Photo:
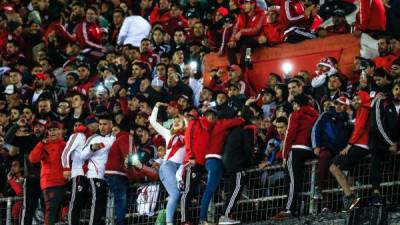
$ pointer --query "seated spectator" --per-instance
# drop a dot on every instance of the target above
(386, 57)
(395, 70)
(88, 31)
(176, 21)
(355, 150)
(220, 31)
(273, 29)
(329, 135)
(301, 20)
(339, 25)
(161, 12)
(267, 96)
(245, 32)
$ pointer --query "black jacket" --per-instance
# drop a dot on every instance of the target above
(238, 148)
(385, 123)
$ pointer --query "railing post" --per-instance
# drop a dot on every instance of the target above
(8, 215)
(313, 203)
(110, 215)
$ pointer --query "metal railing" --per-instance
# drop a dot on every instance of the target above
(263, 197)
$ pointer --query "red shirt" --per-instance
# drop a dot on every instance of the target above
(89, 35)
(49, 156)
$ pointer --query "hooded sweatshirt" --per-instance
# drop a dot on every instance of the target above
(359, 137)
(298, 133)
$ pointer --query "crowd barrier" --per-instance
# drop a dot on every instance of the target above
(263, 196)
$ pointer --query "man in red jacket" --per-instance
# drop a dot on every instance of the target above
(296, 148)
(356, 149)
(272, 33)
(371, 16)
(245, 32)
(161, 13)
(117, 174)
(88, 32)
(52, 182)
(213, 162)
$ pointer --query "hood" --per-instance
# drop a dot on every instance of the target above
(365, 99)
(309, 111)
(122, 133)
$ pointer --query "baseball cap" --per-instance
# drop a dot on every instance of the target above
(54, 124)
(73, 74)
(343, 100)
(339, 13)
(10, 89)
(41, 76)
(4, 69)
(223, 11)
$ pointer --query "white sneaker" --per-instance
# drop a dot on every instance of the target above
(224, 220)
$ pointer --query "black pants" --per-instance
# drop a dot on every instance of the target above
(53, 198)
(378, 153)
(233, 188)
(295, 166)
(241, 45)
(192, 183)
(98, 209)
(32, 194)
(79, 196)
(298, 35)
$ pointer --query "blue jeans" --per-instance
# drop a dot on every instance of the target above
(118, 185)
(214, 176)
(167, 176)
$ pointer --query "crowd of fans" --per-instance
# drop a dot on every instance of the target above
(96, 95)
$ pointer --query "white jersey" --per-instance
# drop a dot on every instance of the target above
(97, 159)
(72, 152)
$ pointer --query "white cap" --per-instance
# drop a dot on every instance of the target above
(10, 89)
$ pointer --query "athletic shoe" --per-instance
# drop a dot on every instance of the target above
(283, 215)
(224, 220)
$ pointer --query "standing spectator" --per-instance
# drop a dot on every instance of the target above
(174, 159)
(247, 28)
(197, 136)
(213, 162)
(88, 32)
(52, 182)
(118, 19)
(355, 150)
(329, 135)
(96, 151)
(73, 169)
(133, 30)
(161, 12)
(384, 134)
(297, 148)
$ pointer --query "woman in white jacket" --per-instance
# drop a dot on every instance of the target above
(174, 156)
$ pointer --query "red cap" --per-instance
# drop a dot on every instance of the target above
(223, 11)
(54, 124)
(41, 76)
(175, 105)
(343, 100)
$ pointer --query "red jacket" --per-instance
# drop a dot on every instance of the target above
(298, 133)
(89, 35)
(292, 13)
(49, 156)
(197, 136)
(249, 26)
(116, 160)
(218, 134)
(361, 126)
(157, 16)
(17, 186)
(371, 16)
(385, 61)
(63, 37)
(174, 23)
(273, 32)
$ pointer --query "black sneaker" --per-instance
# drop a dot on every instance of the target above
(376, 200)
(349, 202)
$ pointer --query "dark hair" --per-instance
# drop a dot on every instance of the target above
(284, 88)
(269, 91)
(301, 100)
(381, 72)
(96, 10)
(295, 80)
(281, 119)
